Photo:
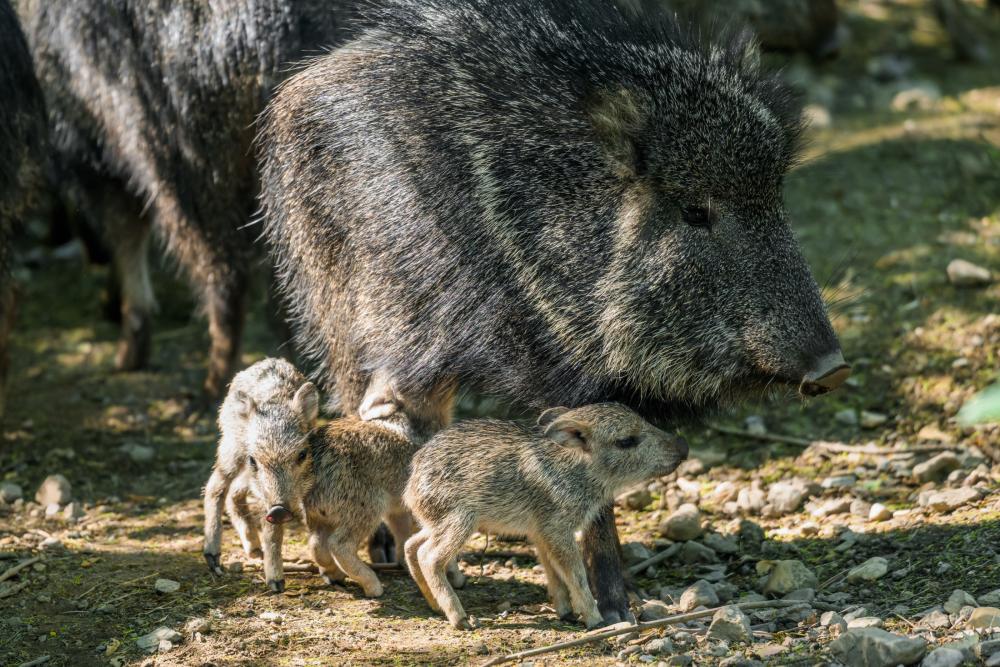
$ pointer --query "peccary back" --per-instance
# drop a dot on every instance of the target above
(550, 200)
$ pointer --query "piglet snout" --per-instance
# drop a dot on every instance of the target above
(278, 514)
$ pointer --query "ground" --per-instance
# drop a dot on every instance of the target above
(884, 200)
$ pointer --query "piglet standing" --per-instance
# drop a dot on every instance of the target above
(545, 483)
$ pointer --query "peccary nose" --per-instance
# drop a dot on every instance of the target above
(278, 514)
(829, 372)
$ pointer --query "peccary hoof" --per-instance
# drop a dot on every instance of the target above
(381, 546)
(213, 563)
(276, 585)
(570, 617)
(136, 342)
(332, 581)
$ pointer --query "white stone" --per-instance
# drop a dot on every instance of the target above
(870, 570)
(879, 512)
(730, 624)
(152, 641)
(871, 419)
(787, 496)
(684, 524)
(874, 647)
(167, 585)
(138, 453)
(55, 489)
(966, 274)
(699, 594)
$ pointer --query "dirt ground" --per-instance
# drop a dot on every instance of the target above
(889, 194)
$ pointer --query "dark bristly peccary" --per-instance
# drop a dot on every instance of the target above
(152, 106)
(22, 136)
(550, 200)
(544, 483)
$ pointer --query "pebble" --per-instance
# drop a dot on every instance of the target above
(935, 620)
(235, 567)
(870, 570)
(962, 273)
(740, 661)
(943, 657)
(801, 595)
(879, 512)
(682, 525)
(695, 552)
(658, 646)
(936, 468)
(52, 510)
(272, 617)
(167, 586)
(787, 496)
(635, 552)
(699, 594)
(724, 492)
(723, 544)
(849, 417)
(874, 647)
(949, 500)
(51, 543)
(785, 576)
(679, 661)
(817, 116)
(864, 622)
(138, 453)
(839, 482)
(990, 599)
(751, 534)
(832, 506)
(55, 489)
(993, 660)
(751, 499)
(871, 419)
(73, 511)
(152, 641)
(654, 610)
(831, 619)
(198, 625)
(922, 96)
(957, 600)
(10, 492)
(861, 508)
(984, 617)
(730, 624)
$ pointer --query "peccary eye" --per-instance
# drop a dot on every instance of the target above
(302, 455)
(627, 443)
(252, 461)
(698, 216)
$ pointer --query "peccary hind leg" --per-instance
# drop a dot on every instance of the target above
(602, 555)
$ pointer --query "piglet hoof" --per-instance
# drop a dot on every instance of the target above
(456, 578)
(464, 623)
(374, 591)
(331, 581)
(213, 563)
(276, 585)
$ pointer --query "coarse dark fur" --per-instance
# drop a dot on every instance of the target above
(551, 201)
(151, 106)
(22, 137)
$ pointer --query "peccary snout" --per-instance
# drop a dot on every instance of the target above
(829, 372)
(278, 514)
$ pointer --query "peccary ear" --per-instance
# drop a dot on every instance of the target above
(569, 432)
(245, 404)
(306, 402)
(549, 415)
(618, 116)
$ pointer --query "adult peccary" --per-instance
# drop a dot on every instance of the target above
(547, 200)
(264, 422)
(22, 136)
(152, 105)
(545, 483)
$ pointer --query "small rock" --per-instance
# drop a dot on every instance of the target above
(966, 274)
(730, 624)
(272, 617)
(785, 576)
(984, 617)
(653, 610)
(682, 525)
(787, 496)
(724, 492)
(694, 552)
(10, 492)
(52, 510)
(949, 500)
(151, 641)
(679, 661)
(922, 97)
(755, 424)
(991, 599)
(699, 594)
(751, 535)
(864, 622)
(937, 468)
(73, 511)
(723, 544)
(740, 661)
(839, 482)
(874, 647)
(832, 618)
(993, 660)
(871, 419)
(138, 453)
(658, 646)
(832, 506)
(166, 585)
(817, 116)
(801, 595)
(55, 489)
(635, 552)
(935, 620)
(198, 625)
(860, 508)
(849, 417)
(235, 567)
(870, 570)
(943, 657)
(751, 499)
(957, 600)
(51, 543)
(879, 512)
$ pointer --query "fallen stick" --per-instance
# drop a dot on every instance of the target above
(638, 627)
(828, 446)
(311, 568)
(11, 571)
(37, 661)
(17, 588)
(653, 560)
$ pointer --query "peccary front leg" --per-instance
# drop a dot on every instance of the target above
(215, 499)
(243, 519)
(271, 538)
(400, 525)
(130, 247)
(558, 591)
(567, 563)
(602, 552)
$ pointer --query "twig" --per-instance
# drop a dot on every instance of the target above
(41, 660)
(11, 571)
(653, 560)
(17, 588)
(838, 447)
(311, 568)
(638, 627)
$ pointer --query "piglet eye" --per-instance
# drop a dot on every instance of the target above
(302, 455)
(252, 461)
(698, 216)
(627, 443)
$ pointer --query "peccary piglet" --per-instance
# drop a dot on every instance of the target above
(545, 483)
(265, 422)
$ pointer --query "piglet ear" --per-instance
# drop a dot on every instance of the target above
(306, 402)
(569, 432)
(549, 415)
(245, 405)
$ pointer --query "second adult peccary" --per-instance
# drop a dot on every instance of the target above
(545, 483)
